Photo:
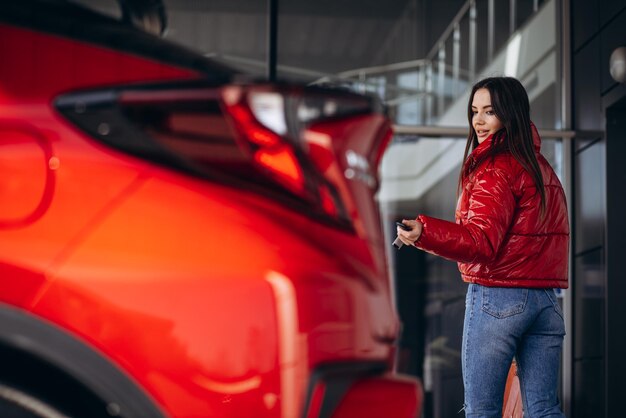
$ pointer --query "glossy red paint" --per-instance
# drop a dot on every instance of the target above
(369, 398)
(50, 65)
(27, 161)
(354, 171)
(216, 300)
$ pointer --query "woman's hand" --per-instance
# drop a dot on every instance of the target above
(409, 237)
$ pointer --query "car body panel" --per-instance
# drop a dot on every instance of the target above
(57, 64)
(215, 299)
(200, 280)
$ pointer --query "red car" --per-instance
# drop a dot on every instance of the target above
(176, 241)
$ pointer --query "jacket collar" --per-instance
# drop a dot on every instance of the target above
(486, 144)
(482, 148)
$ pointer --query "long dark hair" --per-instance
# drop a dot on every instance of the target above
(509, 102)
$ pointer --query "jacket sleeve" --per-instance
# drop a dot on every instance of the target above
(490, 211)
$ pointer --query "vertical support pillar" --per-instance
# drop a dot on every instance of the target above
(472, 41)
(564, 88)
(272, 38)
(615, 308)
(441, 82)
(362, 81)
(491, 28)
(429, 92)
(423, 100)
(512, 16)
(456, 59)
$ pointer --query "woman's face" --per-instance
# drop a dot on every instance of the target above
(484, 120)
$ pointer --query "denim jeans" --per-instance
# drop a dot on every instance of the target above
(501, 323)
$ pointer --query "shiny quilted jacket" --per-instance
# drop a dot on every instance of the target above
(500, 238)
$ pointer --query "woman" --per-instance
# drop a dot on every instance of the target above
(510, 240)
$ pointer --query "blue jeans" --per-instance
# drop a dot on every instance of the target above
(501, 323)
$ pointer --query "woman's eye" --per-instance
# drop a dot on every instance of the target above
(490, 112)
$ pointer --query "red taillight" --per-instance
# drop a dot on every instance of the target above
(283, 164)
(277, 126)
(261, 137)
(328, 201)
(260, 116)
(269, 150)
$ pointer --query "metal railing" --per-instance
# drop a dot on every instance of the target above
(433, 83)
(462, 132)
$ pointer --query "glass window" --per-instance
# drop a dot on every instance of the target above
(589, 194)
(230, 31)
(590, 288)
(431, 294)
(421, 62)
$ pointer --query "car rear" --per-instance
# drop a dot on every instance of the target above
(214, 238)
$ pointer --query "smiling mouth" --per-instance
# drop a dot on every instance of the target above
(481, 132)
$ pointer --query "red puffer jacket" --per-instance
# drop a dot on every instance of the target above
(500, 238)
